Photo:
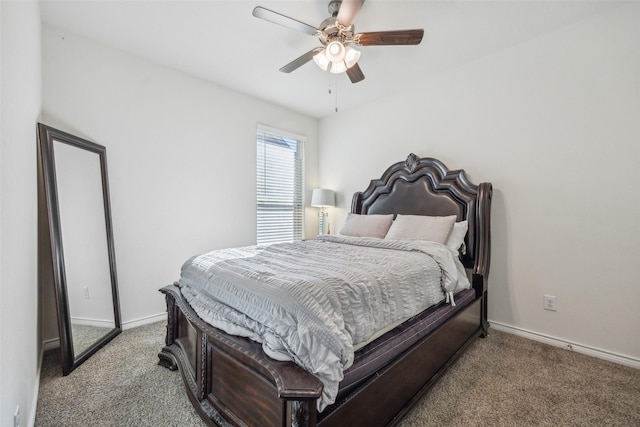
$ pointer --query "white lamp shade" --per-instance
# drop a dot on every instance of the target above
(351, 57)
(322, 61)
(338, 67)
(339, 61)
(335, 51)
(323, 198)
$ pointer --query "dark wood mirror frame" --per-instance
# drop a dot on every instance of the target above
(46, 138)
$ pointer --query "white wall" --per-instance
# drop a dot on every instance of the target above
(180, 152)
(554, 124)
(20, 94)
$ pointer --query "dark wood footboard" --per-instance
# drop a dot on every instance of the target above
(231, 382)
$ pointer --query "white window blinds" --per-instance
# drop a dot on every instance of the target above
(280, 186)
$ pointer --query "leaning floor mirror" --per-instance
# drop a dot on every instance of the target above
(76, 191)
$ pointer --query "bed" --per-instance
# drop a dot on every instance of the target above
(231, 381)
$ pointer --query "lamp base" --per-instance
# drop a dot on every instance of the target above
(321, 221)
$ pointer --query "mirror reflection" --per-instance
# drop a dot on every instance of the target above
(83, 258)
(84, 236)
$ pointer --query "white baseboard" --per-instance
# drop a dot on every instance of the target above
(579, 348)
(36, 388)
(144, 321)
(34, 404)
(98, 323)
(49, 344)
(162, 317)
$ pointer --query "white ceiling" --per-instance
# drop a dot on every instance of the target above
(221, 42)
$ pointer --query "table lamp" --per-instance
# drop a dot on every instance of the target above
(322, 198)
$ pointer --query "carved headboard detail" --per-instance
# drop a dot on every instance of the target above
(425, 186)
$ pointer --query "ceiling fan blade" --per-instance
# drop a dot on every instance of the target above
(299, 62)
(348, 11)
(387, 38)
(285, 21)
(355, 74)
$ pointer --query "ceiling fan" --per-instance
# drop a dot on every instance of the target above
(336, 34)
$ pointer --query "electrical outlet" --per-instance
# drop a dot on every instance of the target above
(550, 303)
(16, 417)
(86, 292)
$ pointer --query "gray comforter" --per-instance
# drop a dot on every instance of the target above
(312, 301)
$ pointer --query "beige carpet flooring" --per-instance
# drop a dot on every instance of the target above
(503, 380)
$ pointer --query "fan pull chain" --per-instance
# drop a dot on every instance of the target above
(336, 83)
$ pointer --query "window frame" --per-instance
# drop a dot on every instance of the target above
(268, 137)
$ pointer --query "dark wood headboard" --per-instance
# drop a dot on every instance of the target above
(425, 186)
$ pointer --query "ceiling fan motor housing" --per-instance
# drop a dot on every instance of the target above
(330, 31)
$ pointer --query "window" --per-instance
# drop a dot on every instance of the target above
(280, 186)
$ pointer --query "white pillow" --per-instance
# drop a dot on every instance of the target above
(455, 240)
(367, 225)
(421, 227)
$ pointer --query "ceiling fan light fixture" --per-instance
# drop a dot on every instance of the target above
(322, 61)
(335, 51)
(351, 57)
(338, 67)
